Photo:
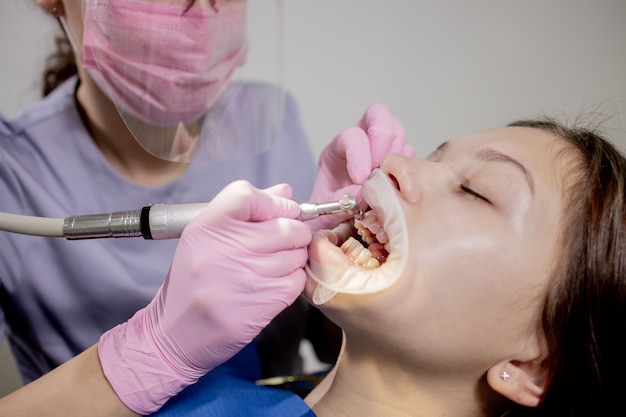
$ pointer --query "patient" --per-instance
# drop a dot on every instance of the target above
(499, 286)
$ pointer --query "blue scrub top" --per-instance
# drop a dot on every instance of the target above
(230, 391)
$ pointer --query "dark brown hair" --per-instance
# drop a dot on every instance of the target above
(60, 65)
(584, 316)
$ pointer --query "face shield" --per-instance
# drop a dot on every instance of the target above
(179, 73)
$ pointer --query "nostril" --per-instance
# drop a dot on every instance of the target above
(395, 182)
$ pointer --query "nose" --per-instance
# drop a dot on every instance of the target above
(407, 174)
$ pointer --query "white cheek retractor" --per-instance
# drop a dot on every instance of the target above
(380, 194)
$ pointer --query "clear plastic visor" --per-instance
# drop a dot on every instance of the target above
(180, 73)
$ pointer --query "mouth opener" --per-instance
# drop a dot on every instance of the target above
(346, 203)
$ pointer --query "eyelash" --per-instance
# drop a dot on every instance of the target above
(464, 188)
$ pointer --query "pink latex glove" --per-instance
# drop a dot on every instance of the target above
(346, 163)
(236, 267)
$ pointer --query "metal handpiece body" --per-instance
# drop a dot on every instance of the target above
(167, 221)
(346, 203)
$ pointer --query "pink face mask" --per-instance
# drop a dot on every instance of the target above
(158, 64)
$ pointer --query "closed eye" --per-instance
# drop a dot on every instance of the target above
(473, 193)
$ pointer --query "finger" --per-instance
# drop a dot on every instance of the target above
(275, 265)
(278, 293)
(280, 190)
(279, 204)
(356, 150)
(288, 287)
(399, 140)
(232, 201)
(242, 201)
(268, 236)
(408, 150)
(375, 114)
(380, 126)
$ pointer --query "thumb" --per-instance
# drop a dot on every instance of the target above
(273, 202)
(356, 148)
(280, 190)
(241, 201)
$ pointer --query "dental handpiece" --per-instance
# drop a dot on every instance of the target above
(167, 221)
(154, 222)
(346, 203)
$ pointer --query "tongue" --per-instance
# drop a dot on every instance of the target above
(378, 252)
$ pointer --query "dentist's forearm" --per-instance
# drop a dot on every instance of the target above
(76, 388)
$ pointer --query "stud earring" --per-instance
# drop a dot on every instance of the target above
(53, 10)
(504, 375)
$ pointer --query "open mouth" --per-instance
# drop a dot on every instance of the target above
(369, 246)
(375, 247)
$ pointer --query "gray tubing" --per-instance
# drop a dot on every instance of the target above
(31, 225)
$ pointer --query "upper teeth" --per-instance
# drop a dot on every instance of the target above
(370, 229)
(372, 234)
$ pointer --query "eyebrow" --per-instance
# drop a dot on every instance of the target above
(491, 155)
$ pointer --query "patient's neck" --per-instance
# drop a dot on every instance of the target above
(369, 384)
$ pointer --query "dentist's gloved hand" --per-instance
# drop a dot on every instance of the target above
(346, 163)
(236, 267)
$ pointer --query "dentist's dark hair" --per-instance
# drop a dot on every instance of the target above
(584, 312)
(60, 65)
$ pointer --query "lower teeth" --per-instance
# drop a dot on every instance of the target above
(360, 255)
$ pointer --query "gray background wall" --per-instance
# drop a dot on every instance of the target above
(444, 67)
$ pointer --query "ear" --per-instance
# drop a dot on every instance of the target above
(521, 382)
(53, 7)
